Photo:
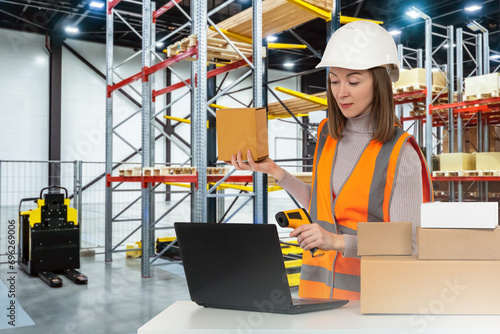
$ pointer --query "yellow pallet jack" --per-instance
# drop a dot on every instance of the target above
(49, 239)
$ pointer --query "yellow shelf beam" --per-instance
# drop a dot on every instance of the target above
(324, 14)
(349, 19)
(285, 46)
(182, 120)
(310, 98)
(285, 116)
(248, 40)
(216, 106)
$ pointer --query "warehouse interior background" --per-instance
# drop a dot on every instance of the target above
(53, 109)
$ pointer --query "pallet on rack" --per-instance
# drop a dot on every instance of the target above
(417, 87)
(445, 173)
(217, 48)
(130, 171)
(481, 96)
(467, 173)
(151, 171)
(296, 106)
(181, 45)
(277, 16)
(489, 172)
(165, 171)
(217, 170)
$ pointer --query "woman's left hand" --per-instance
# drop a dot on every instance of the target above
(311, 236)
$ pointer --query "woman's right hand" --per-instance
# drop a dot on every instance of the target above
(267, 165)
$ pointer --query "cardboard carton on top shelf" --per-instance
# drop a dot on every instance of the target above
(384, 238)
(458, 244)
(487, 160)
(416, 76)
(406, 285)
(457, 161)
(482, 84)
(242, 129)
(459, 215)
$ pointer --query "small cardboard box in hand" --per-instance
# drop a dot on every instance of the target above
(242, 129)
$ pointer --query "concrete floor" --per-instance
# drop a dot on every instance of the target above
(116, 299)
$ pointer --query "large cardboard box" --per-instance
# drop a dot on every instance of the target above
(458, 244)
(384, 238)
(457, 161)
(482, 84)
(487, 160)
(459, 215)
(416, 76)
(241, 130)
(401, 284)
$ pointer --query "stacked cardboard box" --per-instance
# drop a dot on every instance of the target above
(455, 271)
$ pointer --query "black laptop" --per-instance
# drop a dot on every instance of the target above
(240, 266)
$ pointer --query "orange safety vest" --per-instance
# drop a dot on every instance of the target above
(364, 197)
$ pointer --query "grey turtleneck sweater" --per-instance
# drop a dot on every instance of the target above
(407, 195)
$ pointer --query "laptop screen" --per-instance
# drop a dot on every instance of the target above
(234, 265)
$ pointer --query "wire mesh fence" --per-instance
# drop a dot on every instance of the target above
(25, 179)
(86, 185)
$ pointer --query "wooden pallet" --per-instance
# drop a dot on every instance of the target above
(182, 45)
(448, 173)
(481, 96)
(165, 171)
(277, 16)
(417, 87)
(151, 171)
(469, 173)
(217, 170)
(296, 106)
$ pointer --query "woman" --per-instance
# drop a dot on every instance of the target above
(366, 168)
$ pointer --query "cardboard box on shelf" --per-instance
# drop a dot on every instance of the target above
(406, 285)
(458, 244)
(457, 161)
(487, 160)
(384, 238)
(487, 84)
(416, 76)
(459, 215)
(242, 129)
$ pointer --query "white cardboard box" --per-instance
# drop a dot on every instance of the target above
(459, 215)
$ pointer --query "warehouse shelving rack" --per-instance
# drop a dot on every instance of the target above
(481, 113)
(199, 74)
(439, 115)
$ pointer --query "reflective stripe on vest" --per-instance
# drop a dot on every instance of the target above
(365, 196)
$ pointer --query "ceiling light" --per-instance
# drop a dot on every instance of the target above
(447, 46)
(412, 13)
(272, 38)
(497, 56)
(473, 26)
(395, 32)
(288, 64)
(160, 44)
(72, 30)
(96, 4)
(473, 8)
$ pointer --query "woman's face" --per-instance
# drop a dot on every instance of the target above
(353, 90)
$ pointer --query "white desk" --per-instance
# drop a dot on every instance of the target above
(185, 317)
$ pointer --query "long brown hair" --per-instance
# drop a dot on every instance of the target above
(382, 113)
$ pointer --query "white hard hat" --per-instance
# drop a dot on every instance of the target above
(361, 45)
